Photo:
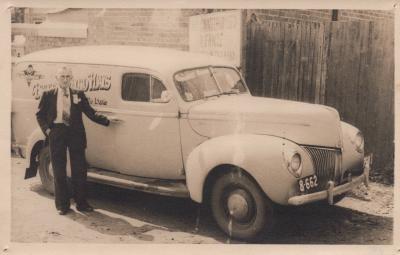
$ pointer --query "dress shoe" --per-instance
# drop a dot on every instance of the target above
(63, 211)
(84, 208)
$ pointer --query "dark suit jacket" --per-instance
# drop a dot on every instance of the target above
(47, 113)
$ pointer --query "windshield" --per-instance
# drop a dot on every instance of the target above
(200, 83)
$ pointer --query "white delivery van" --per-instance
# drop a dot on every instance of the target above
(190, 128)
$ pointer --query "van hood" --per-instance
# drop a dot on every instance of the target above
(302, 123)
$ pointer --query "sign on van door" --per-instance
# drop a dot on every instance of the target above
(31, 79)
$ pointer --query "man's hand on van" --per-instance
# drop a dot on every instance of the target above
(47, 131)
(114, 119)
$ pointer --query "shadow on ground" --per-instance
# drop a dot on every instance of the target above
(311, 224)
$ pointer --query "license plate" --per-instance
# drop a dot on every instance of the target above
(308, 184)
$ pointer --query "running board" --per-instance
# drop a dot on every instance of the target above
(173, 188)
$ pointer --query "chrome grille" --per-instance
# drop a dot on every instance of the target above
(325, 162)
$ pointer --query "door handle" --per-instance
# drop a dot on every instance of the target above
(114, 119)
(105, 112)
(111, 116)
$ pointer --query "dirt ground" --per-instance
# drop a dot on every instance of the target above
(123, 216)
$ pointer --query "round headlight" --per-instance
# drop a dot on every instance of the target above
(359, 142)
(295, 165)
(295, 162)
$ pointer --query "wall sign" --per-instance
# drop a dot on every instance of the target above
(218, 34)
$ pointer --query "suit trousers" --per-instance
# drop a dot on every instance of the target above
(61, 138)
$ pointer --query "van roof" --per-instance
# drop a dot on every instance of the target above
(163, 60)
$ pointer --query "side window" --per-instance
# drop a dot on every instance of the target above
(136, 87)
(157, 89)
(142, 88)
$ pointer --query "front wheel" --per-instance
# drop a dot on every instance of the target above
(240, 207)
(46, 170)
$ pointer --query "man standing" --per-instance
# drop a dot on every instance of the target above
(60, 118)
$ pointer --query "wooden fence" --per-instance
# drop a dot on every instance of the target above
(347, 65)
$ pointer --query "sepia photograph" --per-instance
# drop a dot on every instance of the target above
(202, 125)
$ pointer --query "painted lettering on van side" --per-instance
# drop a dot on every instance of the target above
(38, 88)
(94, 82)
(97, 101)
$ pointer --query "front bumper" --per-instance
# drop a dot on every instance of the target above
(333, 191)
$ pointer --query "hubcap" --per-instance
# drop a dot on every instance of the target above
(238, 206)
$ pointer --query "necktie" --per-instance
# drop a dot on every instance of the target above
(66, 105)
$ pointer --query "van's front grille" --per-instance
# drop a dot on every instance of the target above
(325, 162)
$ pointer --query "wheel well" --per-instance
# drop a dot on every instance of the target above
(34, 152)
(215, 173)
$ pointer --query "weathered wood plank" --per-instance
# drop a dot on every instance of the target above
(333, 66)
(297, 61)
(278, 49)
(363, 74)
(267, 59)
(314, 34)
(281, 53)
(318, 48)
(324, 58)
(300, 81)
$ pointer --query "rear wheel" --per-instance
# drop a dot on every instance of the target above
(46, 170)
(240, 207)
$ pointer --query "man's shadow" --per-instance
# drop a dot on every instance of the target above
(162, 213)
(103, 223)
(107, 225)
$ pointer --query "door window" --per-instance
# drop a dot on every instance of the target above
(157, 90)
(141, 88)
(136, 87)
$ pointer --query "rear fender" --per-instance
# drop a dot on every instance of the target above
(261, 156)
(37, 137)
(36, 142)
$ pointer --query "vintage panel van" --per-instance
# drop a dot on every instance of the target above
(189, 127)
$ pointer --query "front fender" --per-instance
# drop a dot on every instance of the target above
(352, 160)
(260, 155)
